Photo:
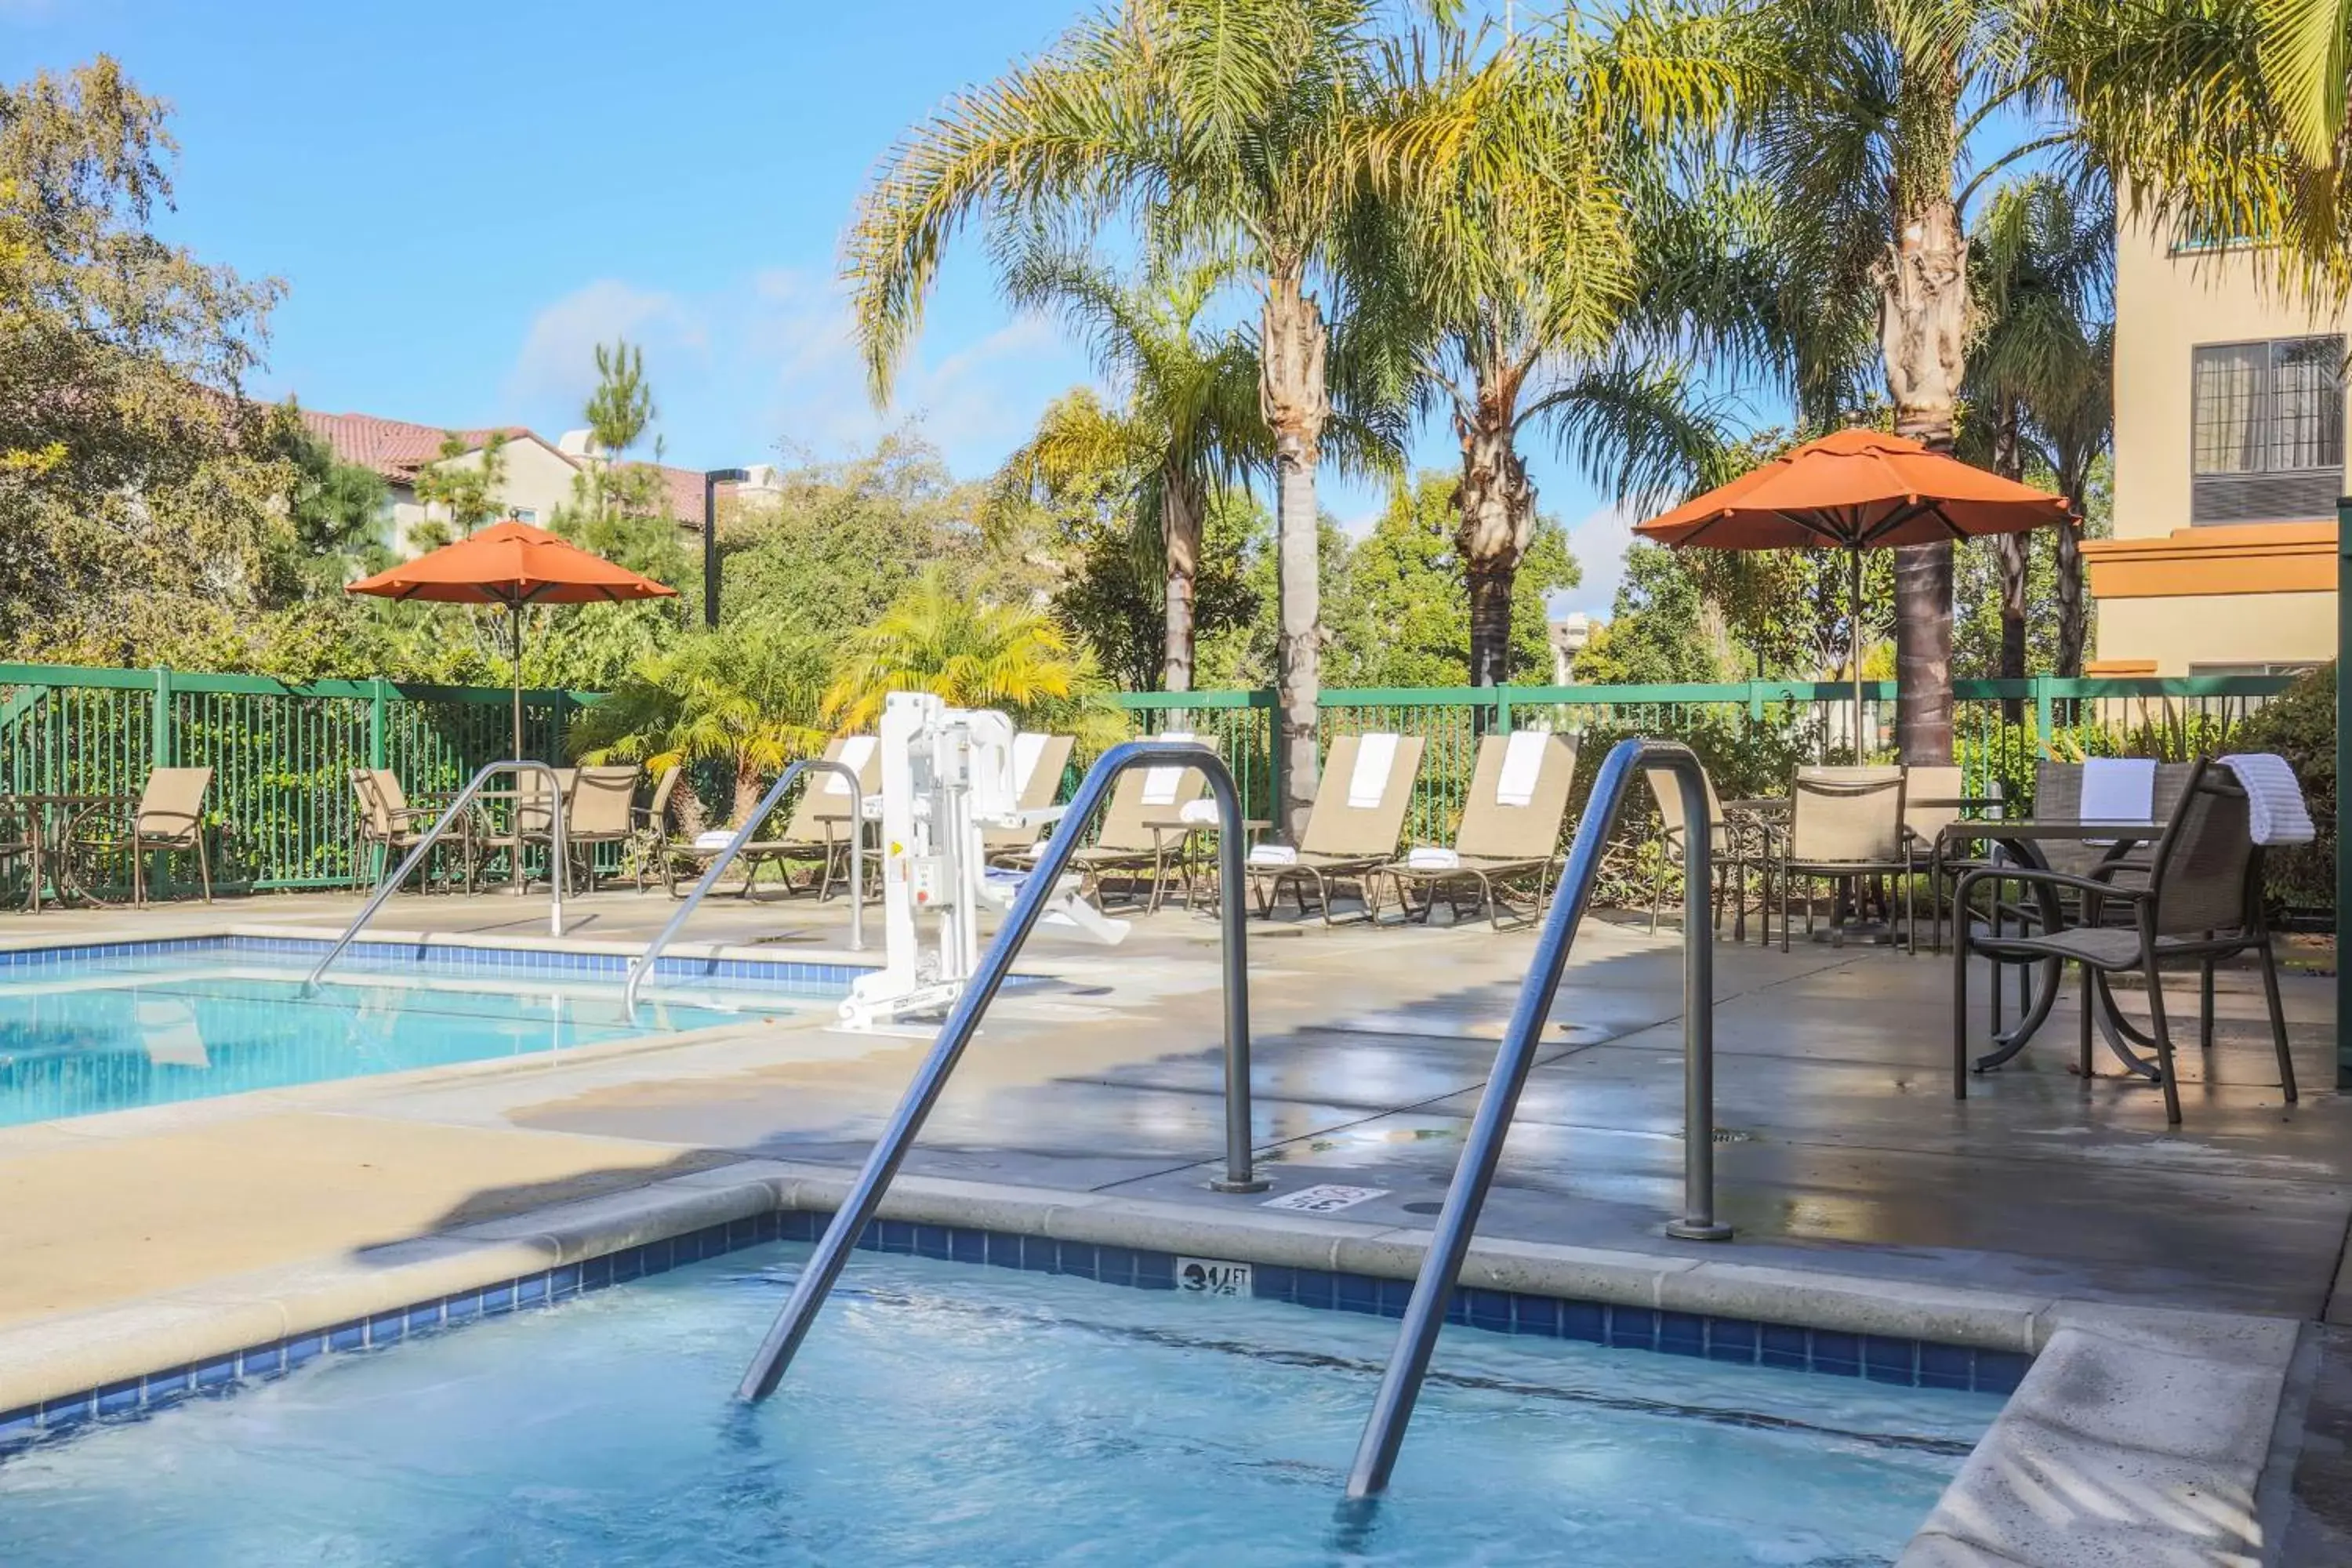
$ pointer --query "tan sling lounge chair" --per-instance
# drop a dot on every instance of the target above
(1040, 760)
(600, 810)
(387, 820)
(1127, 841)
(168, 815)
(1510, 828)
(819, 831)
(1352, 834)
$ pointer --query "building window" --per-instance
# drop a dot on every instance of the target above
(523, 514)
(2267, 430)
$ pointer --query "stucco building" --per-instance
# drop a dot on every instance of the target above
(2228, 456)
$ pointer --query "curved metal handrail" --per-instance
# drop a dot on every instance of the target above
(415, 857)
(1442, 1264)
(792, 1324)
(642, 965)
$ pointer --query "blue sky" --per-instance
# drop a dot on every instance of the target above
(464, 198)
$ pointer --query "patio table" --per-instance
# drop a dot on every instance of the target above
(50, 817)
(1186, 833)
(2023, 838)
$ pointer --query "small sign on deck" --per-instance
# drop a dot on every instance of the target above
(1326, 1198)
(1212, 1277)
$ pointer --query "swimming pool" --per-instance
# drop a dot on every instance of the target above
(945, 1413)
(90, 1029)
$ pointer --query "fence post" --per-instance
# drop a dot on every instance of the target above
(378, 689)
(2043, 719)
(1501, 709)
(160, 745)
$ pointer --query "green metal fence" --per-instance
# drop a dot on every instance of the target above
(281, 753)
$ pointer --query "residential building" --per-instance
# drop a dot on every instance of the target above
(2228, 456)
(537, 476)
(1568, 636)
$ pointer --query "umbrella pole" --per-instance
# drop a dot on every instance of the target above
(514, 618)
(1853, 643)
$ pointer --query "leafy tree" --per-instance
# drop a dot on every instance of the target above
(618, 412)
(138, 491)
(1218, 124)
(337, 514)
(1659, 630)
(464, 486)
(969, 652)
(1400, 617)
(1189, 427)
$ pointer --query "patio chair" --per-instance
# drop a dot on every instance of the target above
(599, 809)
(530, 821)
(386, 821)
(1126, 842)
(649, 827)
(819, 831)
(2199, 898)
(1039, 761)
(1353, 831)
(167, 817)
(1510, 827)
(1935, 795)
(1734, 844)
(1845, 824)
(18, 843)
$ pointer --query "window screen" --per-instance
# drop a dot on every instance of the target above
(2267, 430)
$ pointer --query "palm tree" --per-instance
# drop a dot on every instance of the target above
(970, 653)
(2042, 274)
(744, 695)
(1542, 272)
(1232, 126)
(1190, 425)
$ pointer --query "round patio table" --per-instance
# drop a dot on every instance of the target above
(52, 818)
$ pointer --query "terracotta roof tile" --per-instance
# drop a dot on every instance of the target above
(393, 447)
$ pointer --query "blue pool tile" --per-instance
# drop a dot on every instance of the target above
(1837, 1354)
(801, 1224)
(660, 1257)
(595, 1273)
(1395, 1295)
(1944, 1366)
(743, 1232)
(1355, 1293)
(1313, 1287)
(1114, 1265)
(1274, 1282)
(16, 1426)
(1784, 1347)
(967, 1246)
(387, 1329)
(159, 1387)
(117, 1398)
(1584, 1321)
(1682, 1333)
(498, 1299)
(304, 1348)
(1999, 1372)
(1078, 1258)
(1002, 1251)
(1535, 1315)
(261, 1361)
(1632, 1328)
(70, 1409)
(628, 1264)
(1890, 1359)
(897, 1235)
(1731, 1339)
(1155, 1270)
(1040, 1255)
(422, 1316)
(1489, 1310)
(342, 1337)
(565, 1283)
(1457, 1308)
(530, 1290)
(932, 1241)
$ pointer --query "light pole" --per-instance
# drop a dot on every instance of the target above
(2343, 770)
(712, 479)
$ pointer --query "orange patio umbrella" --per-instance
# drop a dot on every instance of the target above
(514, 564)
(1855, 490)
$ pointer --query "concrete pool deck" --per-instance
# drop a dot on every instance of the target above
(1844, 1156)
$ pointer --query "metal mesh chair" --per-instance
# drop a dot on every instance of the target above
(1844, 824)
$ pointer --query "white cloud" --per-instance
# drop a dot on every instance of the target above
(557, 365)
(1599, 542)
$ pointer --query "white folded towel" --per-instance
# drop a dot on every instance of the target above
(1426, 857)
(2117, 789)
(717, 838)
(1375, 754)
(1273, 854)
(1027, 751)
(2275, 812)
(855, 751)
(1159, 783)
(1198, 811)
(1523, 761)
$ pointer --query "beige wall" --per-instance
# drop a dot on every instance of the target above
(2165, 307)
(538, 480)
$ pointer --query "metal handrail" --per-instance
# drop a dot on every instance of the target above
(643, 964)
(456, 807)
(1482, 1150)
(792, 1324)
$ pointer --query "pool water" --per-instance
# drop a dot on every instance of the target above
(97, 1035)
(947, 1413)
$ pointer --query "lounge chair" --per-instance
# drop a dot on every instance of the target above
(649, 827)
(168, 817)
(1844, 824)
(2200, 898)
(1510, 828)
(600, 809)
(1040, 760)
(1351, 833)
(819, 832)
(1125, 841)
(386, 821)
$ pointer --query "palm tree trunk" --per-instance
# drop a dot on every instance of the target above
(1922, 321)
(1497, 517)
(1296, 402)
(1179, 526)
(2009, 462)
(2074, 628)
(749, 788)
